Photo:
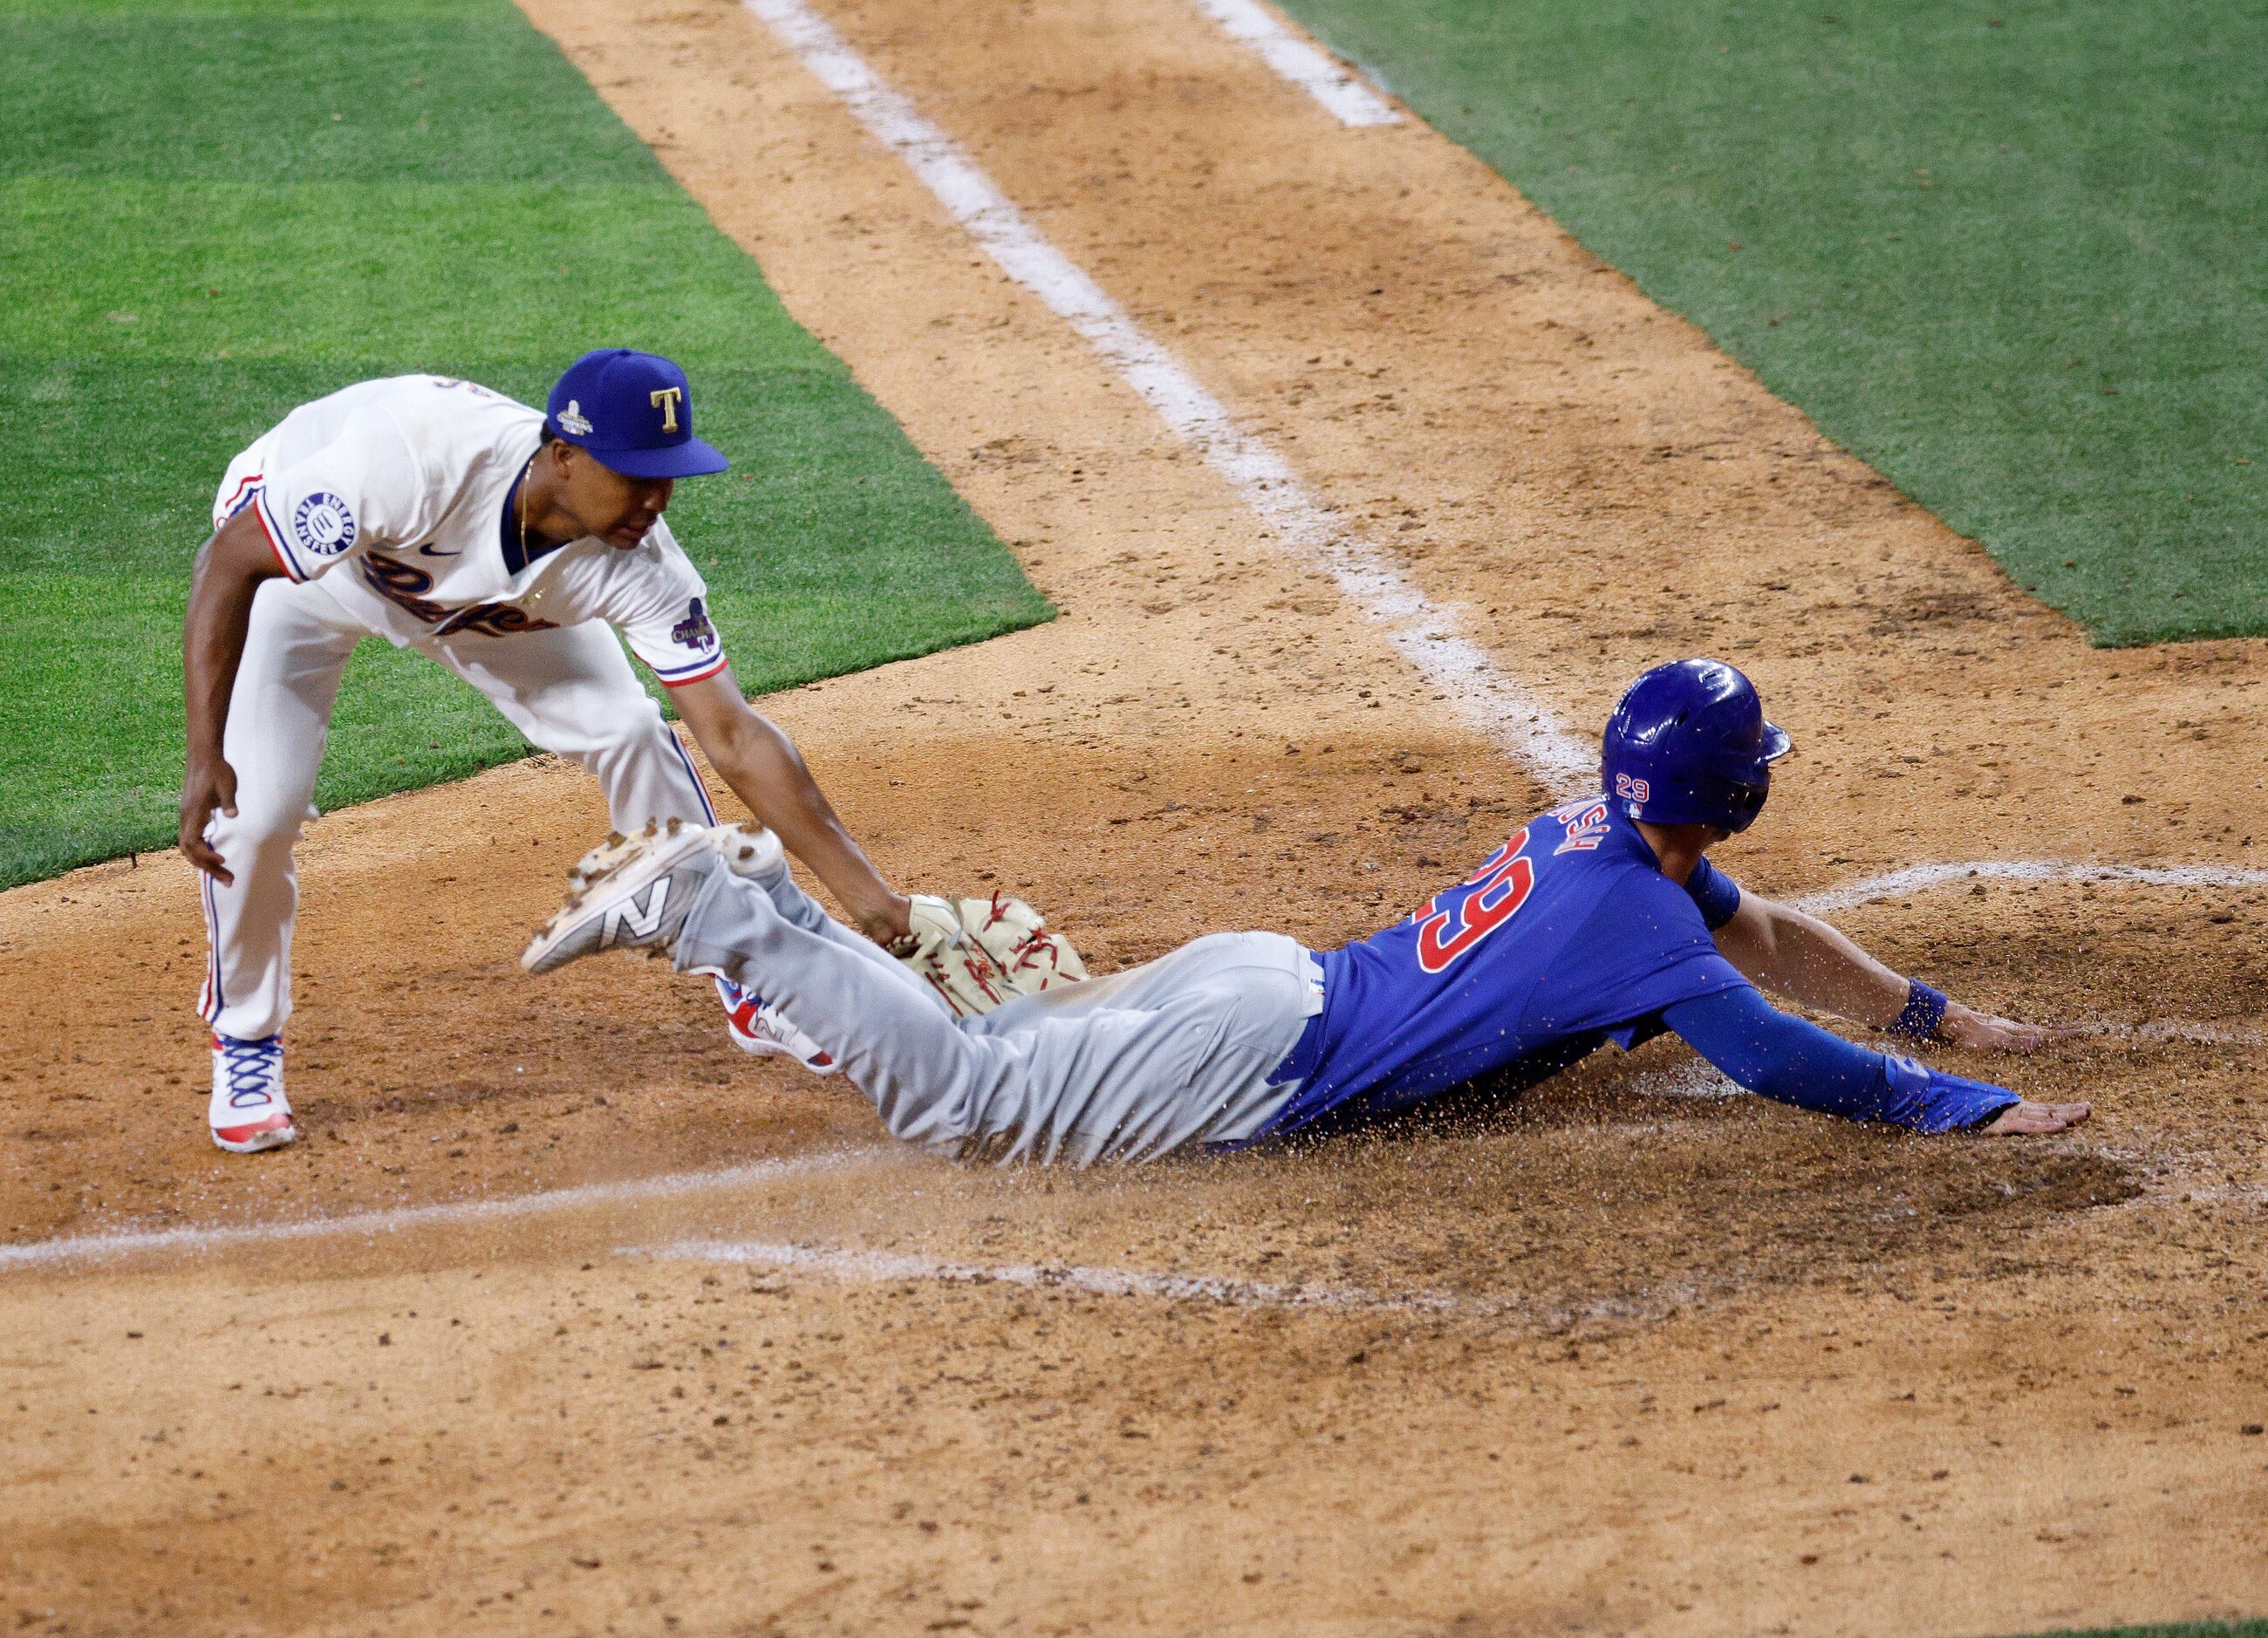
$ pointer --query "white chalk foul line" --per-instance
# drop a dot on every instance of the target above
(857, 1264)
(2191, 1031)
(1920, 877)
(1501, 709)
(91, 1247)
(1300, 60)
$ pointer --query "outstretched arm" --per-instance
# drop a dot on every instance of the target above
(1801, 957)
(1797, 1062)
(765, 771)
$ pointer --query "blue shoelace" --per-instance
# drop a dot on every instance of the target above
(734, 995)
(251, 1069)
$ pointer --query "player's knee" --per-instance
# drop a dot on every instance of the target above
(945, 1111)
(629, 722)
(631, 742)
(598, 726)
(260, 825)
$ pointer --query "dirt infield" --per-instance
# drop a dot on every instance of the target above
(1612, 1357)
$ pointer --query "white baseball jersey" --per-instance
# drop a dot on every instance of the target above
(399, 491)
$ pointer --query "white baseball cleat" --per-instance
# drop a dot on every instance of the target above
(749, 850)
(756, 1027)
(633, 893)
(762, 1030)
(248, 1113)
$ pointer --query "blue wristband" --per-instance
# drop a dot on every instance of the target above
(1923, 1011)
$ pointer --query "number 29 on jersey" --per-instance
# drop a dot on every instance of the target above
(1453, 922)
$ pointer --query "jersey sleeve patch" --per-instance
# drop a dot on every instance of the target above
(323, 525)
(362, 491)
(679, 645)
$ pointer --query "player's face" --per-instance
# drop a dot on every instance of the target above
(618, 510)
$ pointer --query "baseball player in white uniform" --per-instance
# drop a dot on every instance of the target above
(502, 543)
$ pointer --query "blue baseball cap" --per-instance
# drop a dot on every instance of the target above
(633, 412)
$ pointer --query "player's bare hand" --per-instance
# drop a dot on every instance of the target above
(1981, 1031)
(2031, 1119)
(207, 787)
(889, 923)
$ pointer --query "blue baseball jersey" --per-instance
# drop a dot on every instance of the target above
(1568, 936)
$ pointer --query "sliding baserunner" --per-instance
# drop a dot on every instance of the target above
(1599, 920)
(509, 546)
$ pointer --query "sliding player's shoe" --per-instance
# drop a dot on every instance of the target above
(760, 1028)
(754, 1024)
(632, 893)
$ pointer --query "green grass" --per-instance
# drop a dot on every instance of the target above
(2185, 1629)
(2009, 252)
(191, 242)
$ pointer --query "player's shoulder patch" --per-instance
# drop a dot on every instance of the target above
(324, 523)
(696, 630)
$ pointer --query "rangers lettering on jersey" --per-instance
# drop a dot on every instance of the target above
(402, 583)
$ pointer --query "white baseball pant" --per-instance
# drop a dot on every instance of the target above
(570, 690)
(1177, 1051)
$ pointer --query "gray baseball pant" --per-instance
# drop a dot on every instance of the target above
(1129, 1066)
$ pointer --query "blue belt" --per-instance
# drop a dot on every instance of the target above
(1305, 1052)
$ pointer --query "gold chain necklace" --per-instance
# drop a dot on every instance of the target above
(520, 485)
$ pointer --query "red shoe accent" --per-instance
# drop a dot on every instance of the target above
(750, 1035)
(273, 1131)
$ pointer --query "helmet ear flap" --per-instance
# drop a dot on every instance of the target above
(1744, 803)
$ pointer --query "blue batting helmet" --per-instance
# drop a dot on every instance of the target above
(1688, 745)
